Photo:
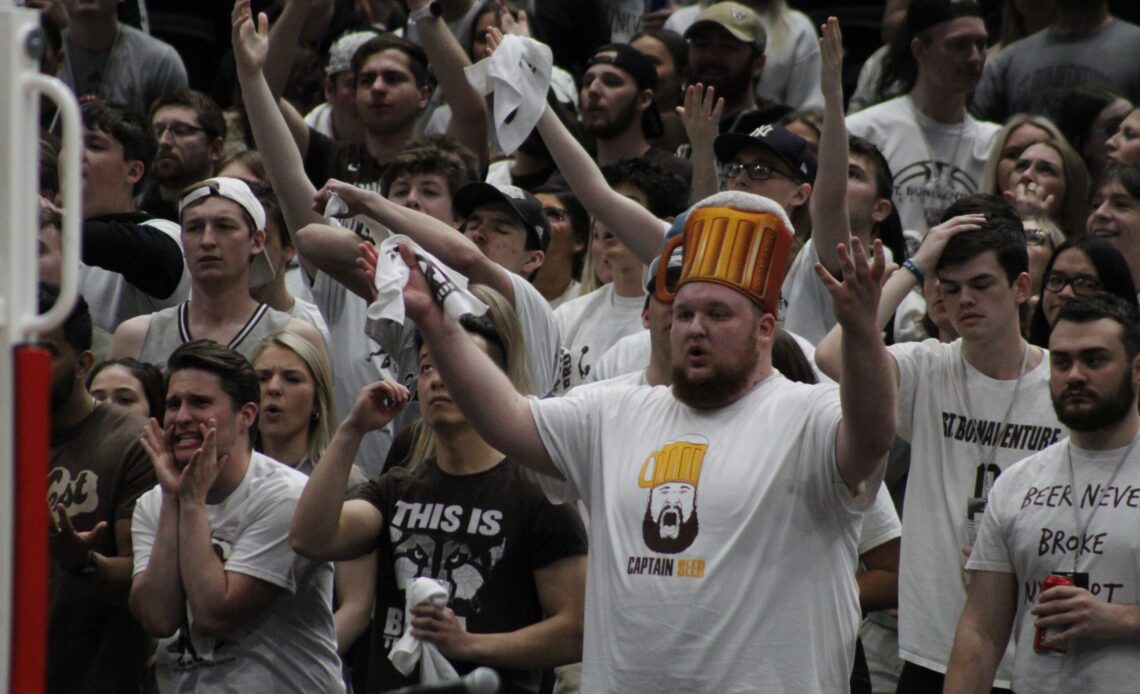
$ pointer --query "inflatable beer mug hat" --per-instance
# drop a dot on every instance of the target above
(737, 239)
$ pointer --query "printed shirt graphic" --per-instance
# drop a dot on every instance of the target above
(934, 164)
(1029, 529)
(481, 536)
(695, 515)
(948, 440)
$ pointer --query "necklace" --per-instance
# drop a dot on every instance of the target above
(1100, 494)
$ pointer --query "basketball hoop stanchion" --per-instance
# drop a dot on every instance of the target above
(25, 369)
(30, 555)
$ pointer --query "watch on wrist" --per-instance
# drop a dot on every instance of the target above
(432, 9)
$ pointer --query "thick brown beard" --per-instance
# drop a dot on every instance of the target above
(723, 386)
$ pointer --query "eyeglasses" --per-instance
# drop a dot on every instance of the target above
(756, 172)
(176, 129)
(555, 214)
(1036, 237)
(1083, 285)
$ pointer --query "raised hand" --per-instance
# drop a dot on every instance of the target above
(69, 547)
(1030, 200)
(700, 114)
(377, 404)
(250, 40)
(494, 38)
(204, 466)
(367, 261)
(157, 446)
(419, 302)
(518, 27)
(927, 255)
(855, 299)
(355, 199)
(831, 63)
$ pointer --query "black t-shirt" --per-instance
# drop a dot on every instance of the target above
(327, 158)
(481, 535)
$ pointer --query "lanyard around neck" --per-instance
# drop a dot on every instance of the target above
(985, 460)
(1081, 530)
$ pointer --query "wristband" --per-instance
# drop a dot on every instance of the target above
(913, 268)
(432, 9)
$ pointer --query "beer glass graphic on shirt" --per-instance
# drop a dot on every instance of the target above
(671, 474)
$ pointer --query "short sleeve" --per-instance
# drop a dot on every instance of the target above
(262, 550)
(136, 479)
(991, 548)
(540, 332)
(570, 431)
(914, 364)
(880, 522)
(377, 492)
(556, 533)
(144, 526)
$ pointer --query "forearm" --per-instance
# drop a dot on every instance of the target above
(203, 574)
(878, 590)
(634, 225)
(830, 223)
(468, 107)
(973, 661)
(556, 640)
(355, 581)
(333, 250)
(313, 530)
(283, 39)
(867, 376)
(156, 599)
(828, 351)
(145, 257)
(706, 180)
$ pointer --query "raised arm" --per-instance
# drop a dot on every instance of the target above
(468, 107)
(156, 599)
(500, 414)
(324, 525)
(700, 115)
(983, 632)
(441, 240)
(270, 132)
(828, 352)
(866, 432)
(830, 224)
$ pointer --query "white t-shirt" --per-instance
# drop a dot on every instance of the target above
(880, 523)
(759, 594)
(1029, 530)
(356, 361)
(572, 291)
(112, 299)
(291, 646)
(807, 311)
(320, 119)
(308, 312)
(791, 59)
(946, 472)
(629, 354)
(589, 326)
(934, 163)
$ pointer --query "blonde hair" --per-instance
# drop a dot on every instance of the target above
(324, 420)
(501, 319)
(989, 183)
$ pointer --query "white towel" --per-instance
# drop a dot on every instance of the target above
(518, 73)
(449, 286)
(409, 650)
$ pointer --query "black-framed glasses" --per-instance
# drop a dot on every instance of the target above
(756, 172)
(1083, 285)
(555, 214)
(176, 129)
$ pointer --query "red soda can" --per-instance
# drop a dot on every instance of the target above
(1039, 635)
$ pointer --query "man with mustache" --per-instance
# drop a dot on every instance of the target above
(1064, 511)
(190, 130)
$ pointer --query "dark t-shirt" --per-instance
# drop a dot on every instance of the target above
(98, 470)
(483, 536)
(327, 158)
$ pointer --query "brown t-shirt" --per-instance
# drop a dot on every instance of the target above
(98, 470)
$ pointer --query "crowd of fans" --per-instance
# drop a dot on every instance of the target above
(613, 345)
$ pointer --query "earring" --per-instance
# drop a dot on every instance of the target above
(316, 416)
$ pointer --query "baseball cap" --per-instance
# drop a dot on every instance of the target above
(672, 270)
(525, 205)
(236, 190)
(739, 20)
(792, 149)
(340, 53)
(640, 68)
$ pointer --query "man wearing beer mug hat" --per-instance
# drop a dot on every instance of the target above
(725, 510)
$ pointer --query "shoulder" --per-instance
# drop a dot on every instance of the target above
(273, 480)
(148, 43)
(166, 226)
(129, 336)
